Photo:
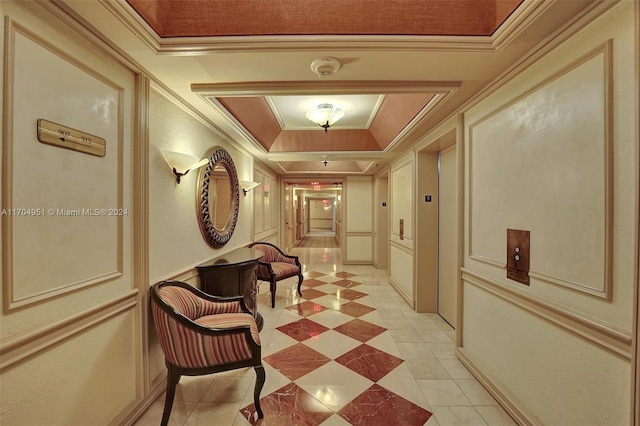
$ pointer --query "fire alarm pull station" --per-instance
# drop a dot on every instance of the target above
(518, 255)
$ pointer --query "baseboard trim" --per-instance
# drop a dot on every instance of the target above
(519, 414)
(133, 413)
(401, 292)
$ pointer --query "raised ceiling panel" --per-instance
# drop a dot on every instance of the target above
(255, 115)
(282, 17)
(396, 112)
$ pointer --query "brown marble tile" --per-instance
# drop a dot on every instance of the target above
(369, 362)
(344, 274)
(350, 294)
(307, 308)
(313, 274)
(360, 330)
(355, 309)
(346, 283)
(312, 293)
(296, 361)
(288, 406)
(302, 329)
(378, 406)
(312, 283)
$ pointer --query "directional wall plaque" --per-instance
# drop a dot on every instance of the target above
(66, 137)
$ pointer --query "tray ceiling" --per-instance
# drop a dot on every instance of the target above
(243, 66)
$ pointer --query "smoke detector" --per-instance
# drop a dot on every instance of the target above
(325, 67)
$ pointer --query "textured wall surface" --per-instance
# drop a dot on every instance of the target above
(537, 158)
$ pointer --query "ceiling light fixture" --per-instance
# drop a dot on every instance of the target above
(325, 115)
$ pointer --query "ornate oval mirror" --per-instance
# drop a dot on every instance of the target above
(218, 198)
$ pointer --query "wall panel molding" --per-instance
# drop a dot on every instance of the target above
(404, 247)
(358, 239)
(13, 299)
(592, 330)
(141, 226)
(23, 347)
(559, 279)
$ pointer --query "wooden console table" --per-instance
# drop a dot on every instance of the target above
(233, 274)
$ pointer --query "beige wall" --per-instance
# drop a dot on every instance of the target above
(358, 205)
(553, 152)
(320, 213)
(401, 205)
(448, 270)
(88, 325)
(265, 201)
(381, 238)
(175, 241)
(338, 216)
(71, 308)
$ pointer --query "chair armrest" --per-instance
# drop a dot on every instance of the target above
(287, 258)
(263, 266)
(217, 300)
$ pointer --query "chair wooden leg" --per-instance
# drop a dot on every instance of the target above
(272, 287)
(260, 378)
(300, 278)
(173, 377)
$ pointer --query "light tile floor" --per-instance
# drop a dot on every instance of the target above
(349, 351)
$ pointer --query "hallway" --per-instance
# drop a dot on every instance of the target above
(349, 344)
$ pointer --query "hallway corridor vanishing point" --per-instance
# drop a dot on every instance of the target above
(350, 351)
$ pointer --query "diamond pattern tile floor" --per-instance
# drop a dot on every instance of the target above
(296, 361)
(302, 329)
(355, 309)
(359, 329)
(349, 351)
(369, 362)
(378, 406)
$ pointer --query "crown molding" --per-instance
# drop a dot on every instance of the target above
(337, 87)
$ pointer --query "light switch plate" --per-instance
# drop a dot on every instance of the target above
(518, 242)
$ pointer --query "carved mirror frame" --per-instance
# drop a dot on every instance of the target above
(217, 238)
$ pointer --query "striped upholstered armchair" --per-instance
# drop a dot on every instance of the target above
(275, 266)
(203, 334)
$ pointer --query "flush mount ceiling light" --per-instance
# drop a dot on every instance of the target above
(325, 67)
(325, 115)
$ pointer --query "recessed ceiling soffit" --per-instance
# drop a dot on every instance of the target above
(379, 122)
(177, 26)
(184, 18)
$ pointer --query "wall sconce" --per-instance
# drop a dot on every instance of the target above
(248, 186)
(181, 164)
